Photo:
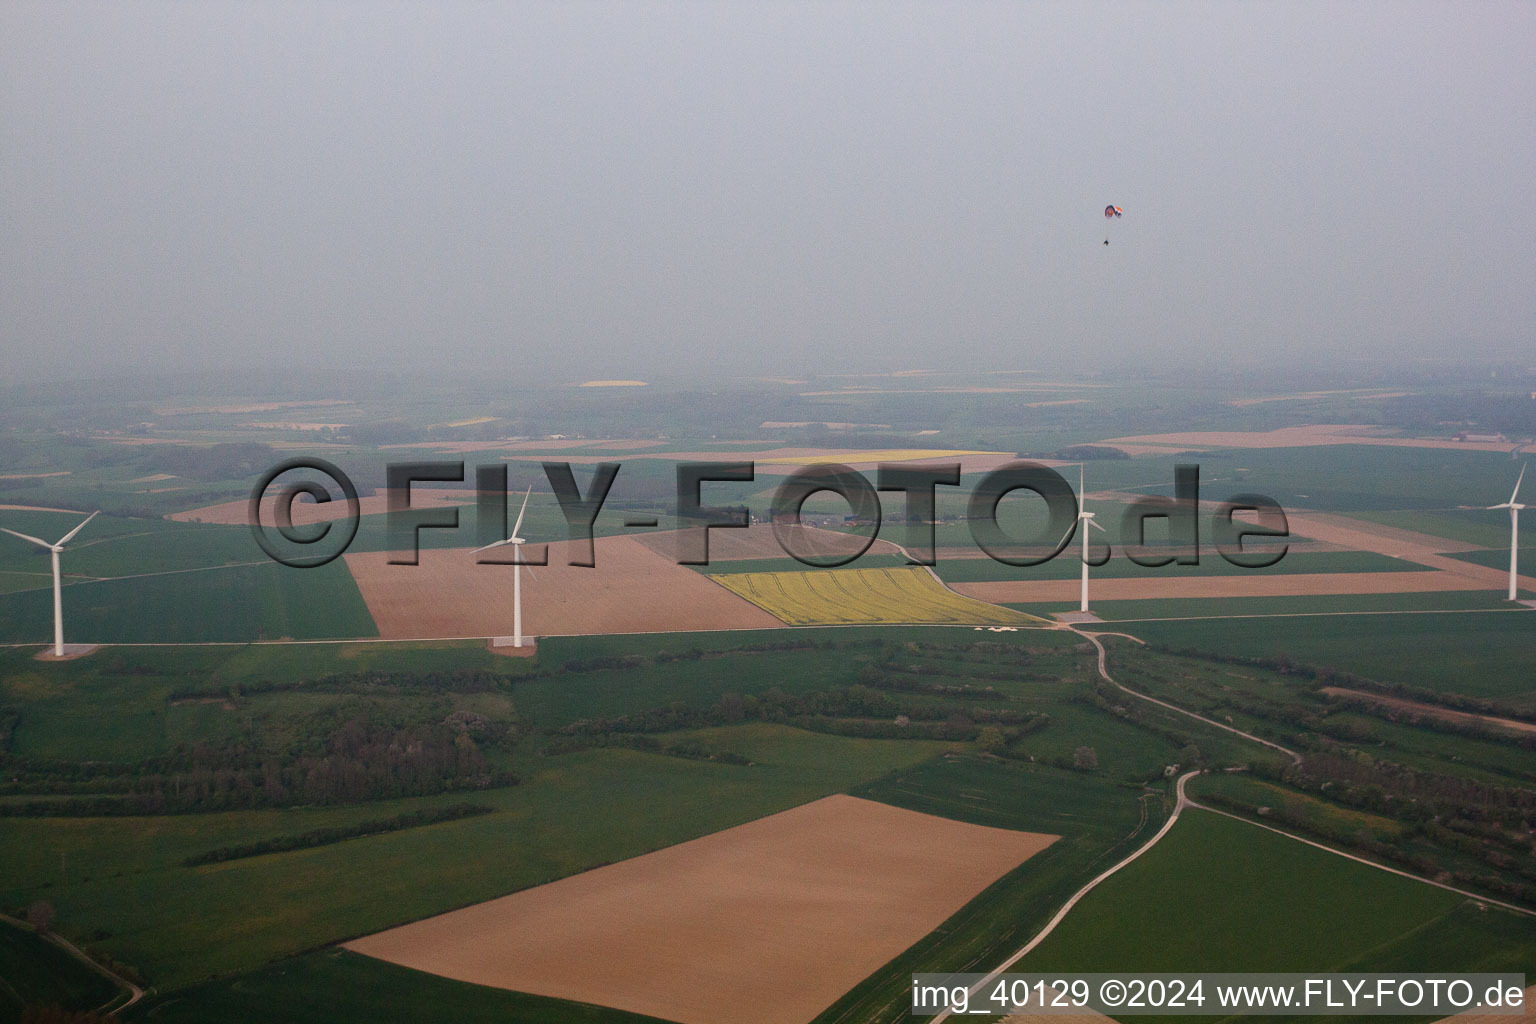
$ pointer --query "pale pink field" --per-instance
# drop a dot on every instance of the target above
(765, 923)
(1290, 437)
(631, 589)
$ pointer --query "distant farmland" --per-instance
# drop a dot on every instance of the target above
(836, 596)
(1224, 895)
(767, 922)
(229, 604)
(631, 589)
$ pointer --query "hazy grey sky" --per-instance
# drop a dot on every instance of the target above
(616, 189)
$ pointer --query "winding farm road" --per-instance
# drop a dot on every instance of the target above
(1093, 638)
(135, 993)
(1050, 926)
(1183, 801)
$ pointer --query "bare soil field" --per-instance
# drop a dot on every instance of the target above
(294, 425)
(784, 461)
(1306, 395)
(234, 513)
(556, 445)
(1256, 585)
(632, 589)
(1289, 437)
(199, 410)
(765, 923)
(1360, 535)
(1419, 548)
(1431, 711)
(36, 508)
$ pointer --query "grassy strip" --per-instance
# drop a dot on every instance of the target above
(1099, 822)
(35, 973)
(327, 836)
(332, 986)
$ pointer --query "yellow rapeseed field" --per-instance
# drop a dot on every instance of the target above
(821, 597)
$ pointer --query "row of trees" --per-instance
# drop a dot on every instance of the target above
(357, 761)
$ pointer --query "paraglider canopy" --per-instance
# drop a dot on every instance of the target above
(1110, 213)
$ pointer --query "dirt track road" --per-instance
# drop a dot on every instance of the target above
(1183, 800)
(1180, 803)
(134, 992)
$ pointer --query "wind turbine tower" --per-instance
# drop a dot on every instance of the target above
(1086, 518)
(58, 596)
(517, 570)
(1515, 533)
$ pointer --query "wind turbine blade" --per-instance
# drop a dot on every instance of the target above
(42, 544)
(517, 528)
(71, 534)
(1516, 492)
(1095, 524)
(34, 540)
(1068, 535)
(493, 544)
(529, 566)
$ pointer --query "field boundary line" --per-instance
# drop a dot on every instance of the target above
(135, 993)
(1311, 615)
(1180, 802)
(1365, 860)
(1045, 625)
(1186, 800)
(1093, 638)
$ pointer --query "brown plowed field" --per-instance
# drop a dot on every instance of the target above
(1419, 548)
(1148, 589)
(860, 459)
(765, 923)
(632, 589)
(233, 513)
(1290, 437)
(553, 446)
(1362, 535)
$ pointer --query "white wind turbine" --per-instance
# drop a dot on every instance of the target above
(58, 598)
(1514, 532)
(1085, 518)
(517, 570)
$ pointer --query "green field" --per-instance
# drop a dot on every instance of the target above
(1068, 565)
(333, 985)
(1428, 650)
(1484, 527)
(1498, 558)
(235, 604)
(1097, 820)
(153, 581)
(123, 876)
(1316, 606)
(1318, 816)
(1223, 895)
(1387, 483)
(35, 972)
(122, 546)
